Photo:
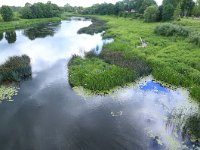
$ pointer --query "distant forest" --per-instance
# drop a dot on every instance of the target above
(147, 9)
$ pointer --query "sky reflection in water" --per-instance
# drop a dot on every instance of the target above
(48, 114)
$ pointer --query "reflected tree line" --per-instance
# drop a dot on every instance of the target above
(10, 36)
(40, 31)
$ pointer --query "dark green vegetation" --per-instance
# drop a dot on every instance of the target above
(169, 29)
(6, 13)
(147, 9)
(40, 10)
(97, 26)
(96, 75)
(15, 69)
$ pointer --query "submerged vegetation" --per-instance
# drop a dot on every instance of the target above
(96, 75)
(15, 69)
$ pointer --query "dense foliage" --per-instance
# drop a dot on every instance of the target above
(151, 14)
(6, 13)
(169, 29)
(15, 68)
(40, 10)
(96, 75)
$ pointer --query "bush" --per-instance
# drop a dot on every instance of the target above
(151, 14)
(16, 68)
(6, 13)
(194, 37)
(169, 29)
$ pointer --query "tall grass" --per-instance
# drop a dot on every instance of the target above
(15, 69)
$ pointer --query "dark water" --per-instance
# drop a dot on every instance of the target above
(48, 114)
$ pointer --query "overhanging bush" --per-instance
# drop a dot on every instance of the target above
(15, 69)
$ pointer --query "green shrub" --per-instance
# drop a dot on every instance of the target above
(169, 29)
(16, 68)
(194, 37)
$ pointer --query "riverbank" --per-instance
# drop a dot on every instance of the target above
(22, 23)
(173, 60)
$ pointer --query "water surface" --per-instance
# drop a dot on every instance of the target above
(48, 114)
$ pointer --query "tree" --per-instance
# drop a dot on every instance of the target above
(187, 7)
(145, 4)
(168, 10)
(177, 12)
(196, 10)
(151, 14)
(6, 13)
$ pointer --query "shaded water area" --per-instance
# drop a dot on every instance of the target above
(47, 114)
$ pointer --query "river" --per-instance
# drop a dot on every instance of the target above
(47, 114)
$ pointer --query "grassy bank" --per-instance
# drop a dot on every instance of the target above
(173, 60)
(96, 75)
(22, 23)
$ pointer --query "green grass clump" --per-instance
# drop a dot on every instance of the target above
(15, 69)
(169, 29)
(97, 26)
(96, 75)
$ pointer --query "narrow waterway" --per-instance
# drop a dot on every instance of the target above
(47, 114)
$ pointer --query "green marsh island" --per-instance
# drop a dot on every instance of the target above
(93, 75)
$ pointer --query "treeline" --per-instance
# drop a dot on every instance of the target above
(31, 11)
(147, 9)
(40, 10)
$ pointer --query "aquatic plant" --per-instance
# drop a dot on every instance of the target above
(6, 92)
(15, 69)
(96, 75)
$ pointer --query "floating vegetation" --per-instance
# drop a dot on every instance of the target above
(7, 93)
